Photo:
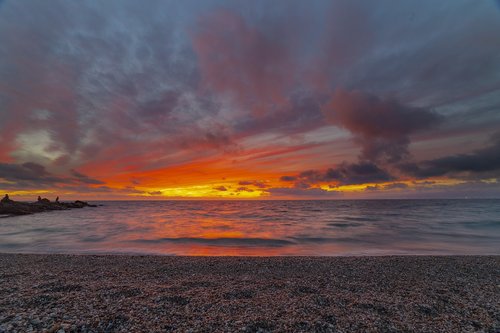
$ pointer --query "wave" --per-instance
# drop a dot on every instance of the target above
(229, 241)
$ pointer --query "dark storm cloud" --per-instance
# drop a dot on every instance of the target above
(343, 174)
(480, 163)
(358, 173)
(32, 175)
(381, 126)
(27, 173)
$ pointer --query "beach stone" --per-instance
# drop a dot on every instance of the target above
(380, 294)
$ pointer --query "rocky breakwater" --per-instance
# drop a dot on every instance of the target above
(9, 207)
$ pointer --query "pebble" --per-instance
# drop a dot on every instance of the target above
(343, 294)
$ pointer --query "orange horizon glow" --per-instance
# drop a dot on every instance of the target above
(211, 189)
(223, 101)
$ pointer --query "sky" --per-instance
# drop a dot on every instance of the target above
(245, 99)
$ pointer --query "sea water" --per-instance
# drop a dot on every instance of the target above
(263, 228)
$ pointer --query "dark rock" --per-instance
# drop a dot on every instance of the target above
(84, 204)
(44, 200)
(6, 199)
(12, 208)
(15, 209)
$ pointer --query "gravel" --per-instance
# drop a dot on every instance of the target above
(83, 293)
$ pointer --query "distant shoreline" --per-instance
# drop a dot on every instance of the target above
(122, 293)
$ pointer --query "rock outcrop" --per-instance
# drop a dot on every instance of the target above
(6, 200)
(9, 207)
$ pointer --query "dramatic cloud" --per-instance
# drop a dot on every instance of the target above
(84, 81)
(381, 127)
(171, 97)
(27, 173)
(343, 174)
(484, 161)
(238, 59)
(31, 175)
(256, 183)
(358, 173)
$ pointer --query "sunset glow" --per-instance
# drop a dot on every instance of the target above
(249, 100)
(249, 165)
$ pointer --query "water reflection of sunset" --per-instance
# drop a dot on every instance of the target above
(260, 228)
(257, 228)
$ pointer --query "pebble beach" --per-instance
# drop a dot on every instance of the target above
(119, 293)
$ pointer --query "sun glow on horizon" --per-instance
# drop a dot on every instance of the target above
(230, 101)
(243, 190)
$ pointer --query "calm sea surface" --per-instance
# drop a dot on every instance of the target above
(361, 227)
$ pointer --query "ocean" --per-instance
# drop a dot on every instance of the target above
(261, 228)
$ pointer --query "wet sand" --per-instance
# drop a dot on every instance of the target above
(62, 293)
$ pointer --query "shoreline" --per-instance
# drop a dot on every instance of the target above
(130, 293)
(293, 256)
